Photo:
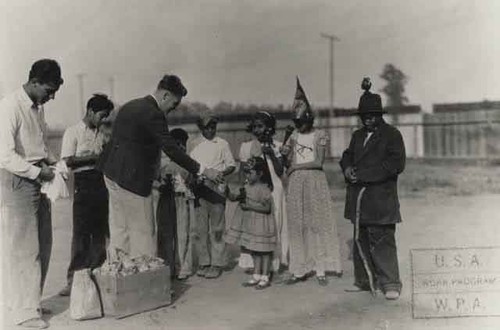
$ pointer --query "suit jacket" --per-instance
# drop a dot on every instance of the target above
(131, 158)
(378, 165)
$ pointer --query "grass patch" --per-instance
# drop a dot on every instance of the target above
(420, 178)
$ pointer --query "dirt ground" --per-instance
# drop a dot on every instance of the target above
(443, 206)
(432, 220)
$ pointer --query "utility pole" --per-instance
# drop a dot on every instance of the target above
(81, 92)
(112, 87)
(331, 38)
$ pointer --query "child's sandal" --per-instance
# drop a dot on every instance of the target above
(294, 280)
(263, 284)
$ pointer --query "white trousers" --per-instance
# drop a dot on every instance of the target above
(131, 222)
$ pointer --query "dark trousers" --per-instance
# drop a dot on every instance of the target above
(166, 221)
(90, 222)
(379, 246)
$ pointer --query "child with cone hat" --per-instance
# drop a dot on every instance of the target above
(313, 236)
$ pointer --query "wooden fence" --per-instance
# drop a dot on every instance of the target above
(461, 135)
(468, 134)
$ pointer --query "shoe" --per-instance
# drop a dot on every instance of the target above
(356, 288)
(182, 277)
(294, 280)
(391, 295)
(35, 323)
(213, 272)
(248, 271)
(202, 272)
(66, 291)
(335, 274)
(322, 281)
(44, 311)
(263, 284)
(250, 283)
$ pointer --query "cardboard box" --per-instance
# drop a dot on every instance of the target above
(126, 295)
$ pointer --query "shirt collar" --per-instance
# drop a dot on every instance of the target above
(214, 140)
(82, 124)
(25, 100)
(154, 98)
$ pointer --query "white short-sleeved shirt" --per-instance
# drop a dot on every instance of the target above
(80, 140)
(214, 153)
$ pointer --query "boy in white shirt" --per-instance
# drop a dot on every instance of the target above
(213, 152)
(81, 147)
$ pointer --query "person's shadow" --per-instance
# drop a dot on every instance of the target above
(56, 305)
(178, 289)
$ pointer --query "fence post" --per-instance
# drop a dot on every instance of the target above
(456, 137)
(482, 140)
(415, 143)
(438, 132)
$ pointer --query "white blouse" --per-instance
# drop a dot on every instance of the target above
(304, 148)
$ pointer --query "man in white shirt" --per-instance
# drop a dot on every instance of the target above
(213, 152)
(81, 146)
(25, 214)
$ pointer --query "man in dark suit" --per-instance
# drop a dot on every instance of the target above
(371, 165)
(130, 163)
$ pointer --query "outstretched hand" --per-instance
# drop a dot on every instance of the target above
(213, 175)
(267, 150)
(285, 150)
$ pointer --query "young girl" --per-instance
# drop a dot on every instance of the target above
(258, 228)
(263, 127)
(314, 242)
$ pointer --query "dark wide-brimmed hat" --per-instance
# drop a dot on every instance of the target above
(369, 102)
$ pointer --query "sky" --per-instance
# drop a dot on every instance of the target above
(250, 51)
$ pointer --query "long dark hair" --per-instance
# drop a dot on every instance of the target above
(259, 164)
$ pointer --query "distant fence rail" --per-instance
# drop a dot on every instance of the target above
(461, 135)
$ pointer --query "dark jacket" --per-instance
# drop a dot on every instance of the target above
(378, 165)
(131, 157)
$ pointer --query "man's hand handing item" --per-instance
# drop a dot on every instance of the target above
(213, 175)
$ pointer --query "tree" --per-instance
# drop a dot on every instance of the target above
(395, 87)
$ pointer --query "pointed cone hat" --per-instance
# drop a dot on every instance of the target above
(301, 107)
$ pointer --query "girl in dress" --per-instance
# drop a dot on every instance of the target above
(263, 127)
(314, 242)
(258, 228)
